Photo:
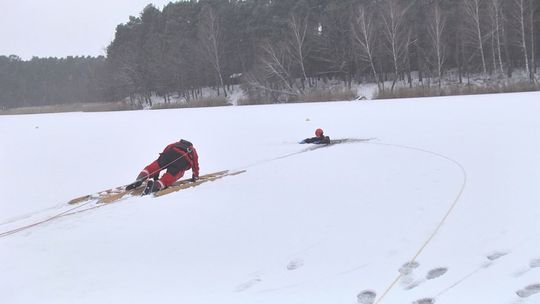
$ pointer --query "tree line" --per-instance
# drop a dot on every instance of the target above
(51, 81)
(281, 49)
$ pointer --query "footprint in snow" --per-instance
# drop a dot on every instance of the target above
(247, 285)
(432, 274)
(424, 301)
(366, 297)
(408, 267)
(528, 291)
(414, 284)
(496, 255)
(534, 263)
(407, 278)
(436, 272)
(295, 264)
(492, 257)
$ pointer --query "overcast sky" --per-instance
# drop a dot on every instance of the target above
(60, 28)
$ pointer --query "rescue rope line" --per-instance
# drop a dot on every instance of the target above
(72, 210)
(157, 171)
(444, 218)
(69, 211)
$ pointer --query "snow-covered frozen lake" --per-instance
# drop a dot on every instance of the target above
(441, 206)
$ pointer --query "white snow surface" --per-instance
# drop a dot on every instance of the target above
(449, 184)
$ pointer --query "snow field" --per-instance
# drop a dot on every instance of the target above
(331, 225)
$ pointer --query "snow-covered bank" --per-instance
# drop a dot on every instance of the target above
(317, 227)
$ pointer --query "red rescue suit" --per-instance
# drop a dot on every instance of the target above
(176, 158)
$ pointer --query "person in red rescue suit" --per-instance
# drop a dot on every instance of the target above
(176, 158)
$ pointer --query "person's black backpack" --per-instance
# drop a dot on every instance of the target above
(185, 146)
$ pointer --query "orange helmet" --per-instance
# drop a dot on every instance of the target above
(319, 132)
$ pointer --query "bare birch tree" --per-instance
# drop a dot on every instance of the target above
(472, 9)
(437, 27)
(273, 72)
(209, 36)
(365, 38)
(298, 26)
(397, 34)
(532, 19)
(496, 15)
(521, 13)
(520, 17)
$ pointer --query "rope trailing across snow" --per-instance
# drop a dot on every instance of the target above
(447, 214)
(73, 210)
(67, 212)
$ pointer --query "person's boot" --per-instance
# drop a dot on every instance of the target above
(138, 181)
(134, 185)
(151, 187)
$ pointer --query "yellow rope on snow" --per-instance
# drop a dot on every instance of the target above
(452, 206)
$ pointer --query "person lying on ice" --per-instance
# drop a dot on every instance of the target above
(176, 158)
(319, 139)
